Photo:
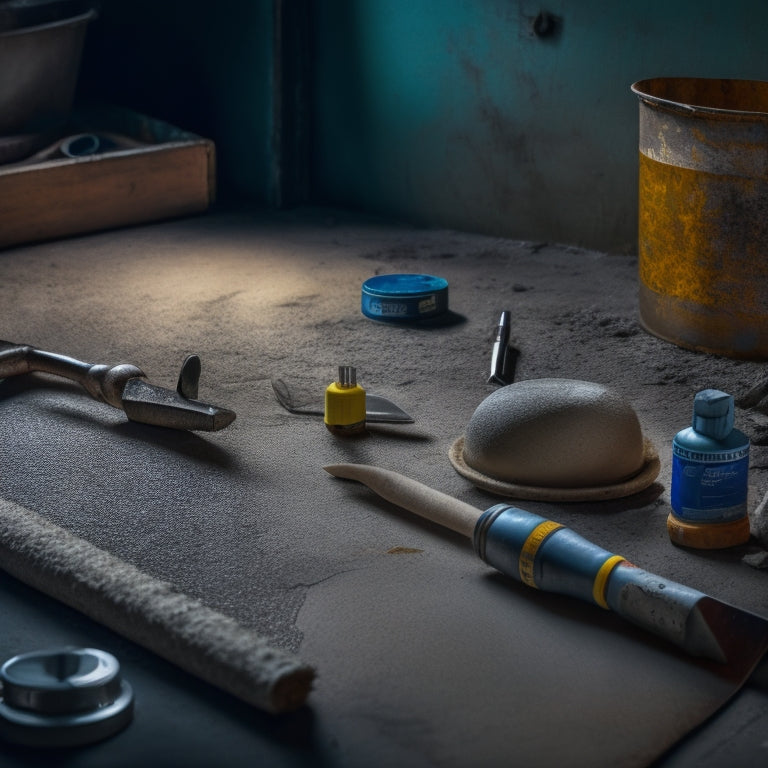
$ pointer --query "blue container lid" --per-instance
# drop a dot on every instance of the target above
(404, 297)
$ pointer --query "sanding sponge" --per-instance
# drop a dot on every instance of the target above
(556, 440)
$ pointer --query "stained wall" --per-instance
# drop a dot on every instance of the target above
(451, 113)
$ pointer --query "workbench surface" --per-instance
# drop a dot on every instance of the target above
(424, 656)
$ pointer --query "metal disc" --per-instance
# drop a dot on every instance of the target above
(63, 697)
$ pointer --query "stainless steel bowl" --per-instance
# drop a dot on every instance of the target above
(39, 66)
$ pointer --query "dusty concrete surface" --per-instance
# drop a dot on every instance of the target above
(422, 655)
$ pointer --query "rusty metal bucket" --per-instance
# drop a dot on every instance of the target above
(703, 213)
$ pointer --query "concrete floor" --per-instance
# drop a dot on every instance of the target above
(424, 657)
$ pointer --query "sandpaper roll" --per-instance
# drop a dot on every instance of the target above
(150, 612)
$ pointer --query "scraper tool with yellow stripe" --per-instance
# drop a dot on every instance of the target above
(548, 556)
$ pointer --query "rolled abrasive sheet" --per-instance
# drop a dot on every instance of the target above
(150, 612)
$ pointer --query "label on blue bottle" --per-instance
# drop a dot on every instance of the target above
(709, 487)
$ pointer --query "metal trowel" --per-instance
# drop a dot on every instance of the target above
(125, 386)
(378, 410)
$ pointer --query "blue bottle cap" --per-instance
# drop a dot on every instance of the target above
(404, 297)
(713, 413)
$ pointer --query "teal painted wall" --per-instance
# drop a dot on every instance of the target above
(447, 113)
(452, 113)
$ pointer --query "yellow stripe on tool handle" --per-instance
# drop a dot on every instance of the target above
(531, 547)
(601, 580)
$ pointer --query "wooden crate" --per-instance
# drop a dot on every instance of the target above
(158, 172)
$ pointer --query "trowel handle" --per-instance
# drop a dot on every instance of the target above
(548, 556)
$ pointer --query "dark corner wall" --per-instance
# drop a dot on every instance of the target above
(508, 117)
(205, 67)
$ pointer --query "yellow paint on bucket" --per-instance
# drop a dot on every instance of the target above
(703, 213)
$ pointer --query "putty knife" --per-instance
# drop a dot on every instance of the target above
(548, 556)
(378, 409)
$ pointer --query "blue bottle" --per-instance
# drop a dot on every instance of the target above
(710, 467)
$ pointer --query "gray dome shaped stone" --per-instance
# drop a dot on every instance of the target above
(556, 439)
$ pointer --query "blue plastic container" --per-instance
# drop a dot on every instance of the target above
(404, 297)
(710, 468)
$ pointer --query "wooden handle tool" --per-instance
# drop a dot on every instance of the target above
(548, 556)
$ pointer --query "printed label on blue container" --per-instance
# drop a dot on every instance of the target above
(387, 308)
(709, 487)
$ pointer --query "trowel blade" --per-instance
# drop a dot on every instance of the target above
(149, 404)
(741, 636)
(378, 409)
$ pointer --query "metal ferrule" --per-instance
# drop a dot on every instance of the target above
(661, 606)
(499, 536)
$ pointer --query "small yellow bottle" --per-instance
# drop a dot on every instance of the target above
(345, 404)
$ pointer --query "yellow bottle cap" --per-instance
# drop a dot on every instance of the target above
(345, 401)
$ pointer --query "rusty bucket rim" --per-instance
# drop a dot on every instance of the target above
(638, 88)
